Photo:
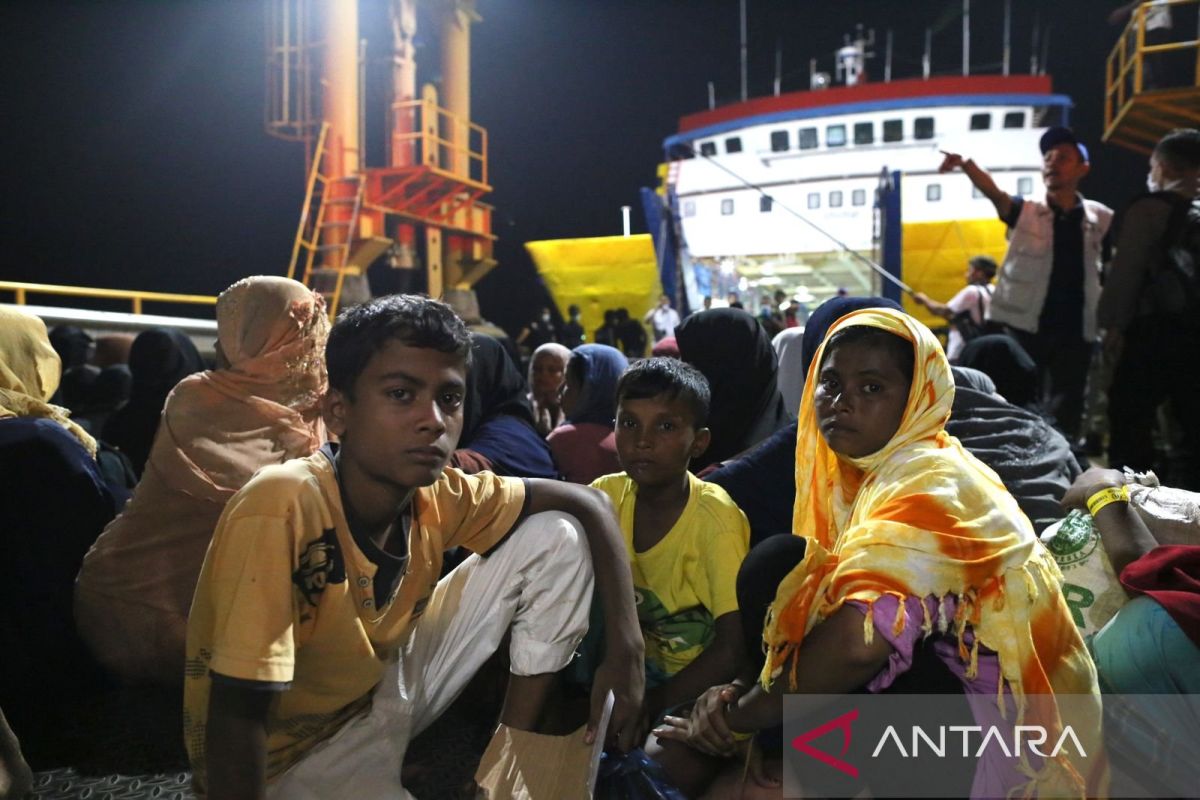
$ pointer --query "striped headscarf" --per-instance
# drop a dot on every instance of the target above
(921, 517)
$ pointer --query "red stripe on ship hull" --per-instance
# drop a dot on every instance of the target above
(869, 92)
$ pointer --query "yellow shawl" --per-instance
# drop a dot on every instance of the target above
(922, 517)
(29, 374)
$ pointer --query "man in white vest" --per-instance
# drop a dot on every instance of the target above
(1049, 284)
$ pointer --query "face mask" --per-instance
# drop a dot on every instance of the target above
(1152, 185)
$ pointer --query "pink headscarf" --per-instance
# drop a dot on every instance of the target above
(262, 406)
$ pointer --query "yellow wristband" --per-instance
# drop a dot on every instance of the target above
(1104, 497)
(741, 736)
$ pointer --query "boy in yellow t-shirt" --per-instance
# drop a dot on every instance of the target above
(685, 538)
(320, 640)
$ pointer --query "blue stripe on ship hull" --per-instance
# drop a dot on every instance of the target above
(874, 105)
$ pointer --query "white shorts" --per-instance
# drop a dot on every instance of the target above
(538, 583)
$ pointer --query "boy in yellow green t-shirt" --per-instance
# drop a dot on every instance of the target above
(685, 537)
(320, 640)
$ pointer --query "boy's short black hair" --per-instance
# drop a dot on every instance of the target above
(1180, 149)
(412, 319)
(901, 349)
(985, 264)
(652, 377)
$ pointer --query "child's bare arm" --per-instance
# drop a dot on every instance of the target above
(834, 658)
(719, 663)
(623, 670)
(236, 744)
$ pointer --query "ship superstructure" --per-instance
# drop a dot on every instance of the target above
(738, 171)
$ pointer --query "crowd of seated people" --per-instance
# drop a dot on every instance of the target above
(281, 557)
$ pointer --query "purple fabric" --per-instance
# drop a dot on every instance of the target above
(994, 777)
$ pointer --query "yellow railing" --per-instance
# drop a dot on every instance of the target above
(136, 298)
(314, 174)
(1125, 68)
(440, 139)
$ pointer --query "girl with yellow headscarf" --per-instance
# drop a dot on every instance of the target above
(906, 536)
(53, 504)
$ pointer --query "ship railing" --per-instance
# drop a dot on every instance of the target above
(425, 133)
(1126, 67)
(21, 291)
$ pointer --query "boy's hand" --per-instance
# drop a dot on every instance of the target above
(706, 730)
(625, 675)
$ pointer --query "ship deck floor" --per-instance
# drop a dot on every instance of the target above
(128, 743)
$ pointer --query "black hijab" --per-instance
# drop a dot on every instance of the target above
(735, 355)
(71, 344)
(1003, 360)
(829, 312)
(158, 359)
(763, 482)
(495, 387)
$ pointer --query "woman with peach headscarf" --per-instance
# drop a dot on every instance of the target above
(907, 539)
(260, 406)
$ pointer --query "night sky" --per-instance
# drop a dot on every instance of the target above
(134, 154)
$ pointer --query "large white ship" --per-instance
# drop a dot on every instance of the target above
(737, 172)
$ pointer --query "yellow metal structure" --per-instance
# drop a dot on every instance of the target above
(429, 193)
(21, 291)
(598, 274)
(323, 242)
(1137, 116)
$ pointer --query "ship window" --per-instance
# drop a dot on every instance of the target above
(779, 141)
(733, 144)
(1024, 185)
(727, 206)
(814, 199)
(933, 192)
(893, 130)
(1014, 119)
(765, 203)
(981, 122)
(808, 138)
(835, 199)
(923, 128)
(689, 208)
(864, 133)
(708, 148)
(859, 197)
(835, 136)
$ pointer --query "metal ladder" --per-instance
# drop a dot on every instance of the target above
(313, 232)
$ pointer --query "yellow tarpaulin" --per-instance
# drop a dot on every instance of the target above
(606, 272)
(599, 273)
(935, 258)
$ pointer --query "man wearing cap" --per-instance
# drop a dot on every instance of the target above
(1049, 284)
